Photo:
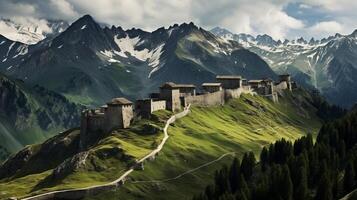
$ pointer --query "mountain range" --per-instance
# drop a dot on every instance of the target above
(90, 64)
(328, 65)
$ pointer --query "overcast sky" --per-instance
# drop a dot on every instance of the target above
(278, 18)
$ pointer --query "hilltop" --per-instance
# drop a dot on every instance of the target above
(247, 123)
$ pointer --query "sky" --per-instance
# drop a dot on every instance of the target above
(280, 19)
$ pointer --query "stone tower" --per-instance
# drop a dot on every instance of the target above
(118, 114)
(287, 79)
(171, 93)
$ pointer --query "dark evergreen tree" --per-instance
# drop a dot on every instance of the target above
(234, 174)
(247, 165)
(349, 177)
(301, 188)
(244, 189)
(264, 158)
(286, 184)
(324, 191)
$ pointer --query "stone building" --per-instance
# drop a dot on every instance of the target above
(171, 94)
(286, 78)
(116, 114)
(186, 89)
(145, 107)
(119, 113)
(212, 87)
(229, 81)
(255, 84)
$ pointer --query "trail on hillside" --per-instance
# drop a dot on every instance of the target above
(81, 192)
(187, 172)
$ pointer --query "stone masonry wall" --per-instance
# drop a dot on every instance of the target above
(127, 115)
(235, 93)
(158, 105)
(281, 86)
(209, 99)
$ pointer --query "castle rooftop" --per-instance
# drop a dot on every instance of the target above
(284, 75)
(169, 85)
(120, 101)
(255, 81)
(185, 85)
(211, 84)
(228, 77)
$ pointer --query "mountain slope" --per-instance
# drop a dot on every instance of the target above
(204, 135)
(90, 64)
(327, 64)
(30, 115)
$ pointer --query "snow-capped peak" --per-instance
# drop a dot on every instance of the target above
(31, 31)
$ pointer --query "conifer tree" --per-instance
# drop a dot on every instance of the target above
(234, 174)
(324, 191)
(349, 177)
(247, 165)
(286, 184)
(301, 189)
(264, 158)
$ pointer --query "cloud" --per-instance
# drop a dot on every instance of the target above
(337, 16)
(240, 16)
(326, 28)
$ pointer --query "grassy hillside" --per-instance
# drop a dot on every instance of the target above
(204, 135)
(59, 164)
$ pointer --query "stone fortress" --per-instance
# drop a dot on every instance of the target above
(119, 112)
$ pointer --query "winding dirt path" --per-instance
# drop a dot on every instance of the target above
(81, 192)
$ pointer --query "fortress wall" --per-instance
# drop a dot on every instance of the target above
(113, 118)
(281, 86)
(209, 99)
(235, 93)
(158, 105)
(95, 123)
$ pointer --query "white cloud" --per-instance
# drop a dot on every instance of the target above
(326, 27)
(258, 17)
(262, 16)
(340, 17)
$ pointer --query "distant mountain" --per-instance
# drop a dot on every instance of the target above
(328, 64)
(91, 64)
(31, 114)
(31, 32)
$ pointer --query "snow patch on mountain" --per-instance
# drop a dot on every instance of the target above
(21, 50)
(10, 47)
(154, 59)
(128, 45)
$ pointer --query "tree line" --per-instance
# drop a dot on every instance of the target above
(299, 170)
